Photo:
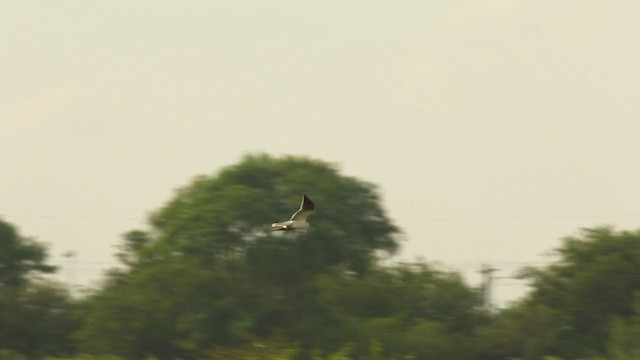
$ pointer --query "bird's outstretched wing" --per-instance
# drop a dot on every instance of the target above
(306, 208)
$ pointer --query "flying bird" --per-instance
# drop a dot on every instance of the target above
(299, 218)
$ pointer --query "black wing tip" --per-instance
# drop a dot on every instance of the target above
(307, 204)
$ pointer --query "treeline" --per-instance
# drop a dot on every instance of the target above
(208, 280)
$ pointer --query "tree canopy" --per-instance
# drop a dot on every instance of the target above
(583, 305)
(217, 216)
(210, 273)
(596, 279)
(19, 256)
(36, 316)
(208, 280)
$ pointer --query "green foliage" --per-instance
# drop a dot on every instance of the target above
(37, 319)
(594, 281)
(6, 354)
(624, 338)
(87, 357)
(211, 274)
(278, 350)
(217, 217)
(132, 248)
(256, 350)
(164, 308)
(19, 257)
(409, 309)
(413, 291)
(526, 331)
(208, 280)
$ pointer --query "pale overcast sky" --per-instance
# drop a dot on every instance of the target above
(493, 128)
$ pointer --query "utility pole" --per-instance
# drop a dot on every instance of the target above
(487, 286)
(71, 257)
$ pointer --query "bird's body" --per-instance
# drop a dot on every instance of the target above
(299, 218)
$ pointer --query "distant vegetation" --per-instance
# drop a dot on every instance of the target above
(207, 280)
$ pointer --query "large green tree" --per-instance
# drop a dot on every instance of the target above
(216, 217)
(210, 273)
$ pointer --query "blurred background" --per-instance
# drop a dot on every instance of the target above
(445, 143)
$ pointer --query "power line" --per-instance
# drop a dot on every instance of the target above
(517, 218)
(420, 219)
(72, 217)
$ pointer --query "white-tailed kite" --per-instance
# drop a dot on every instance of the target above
(299, 218)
